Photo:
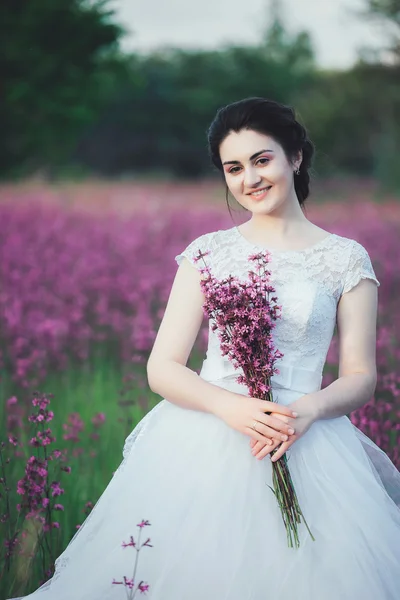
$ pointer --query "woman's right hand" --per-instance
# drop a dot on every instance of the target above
(241, 413)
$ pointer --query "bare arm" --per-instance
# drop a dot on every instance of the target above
(166, 367)
(356, 319)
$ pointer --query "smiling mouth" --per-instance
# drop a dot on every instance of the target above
(260, 191)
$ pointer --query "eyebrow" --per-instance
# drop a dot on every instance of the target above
(236, 162)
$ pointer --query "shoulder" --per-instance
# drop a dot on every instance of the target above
(352, 249)
(345, 242)
(355, 263)
(202, 243)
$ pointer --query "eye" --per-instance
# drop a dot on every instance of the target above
(232, 170)
(263, 158)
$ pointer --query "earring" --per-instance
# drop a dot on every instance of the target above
(297, 171)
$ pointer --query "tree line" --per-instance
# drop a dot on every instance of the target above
(73, 102)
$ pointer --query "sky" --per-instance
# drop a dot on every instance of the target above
(337, 31)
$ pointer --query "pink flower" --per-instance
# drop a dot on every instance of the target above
(11, 401)
(243, 313)
(55, 489)
(143, 524)
(21, 487)
(130, 543)
(98, 419)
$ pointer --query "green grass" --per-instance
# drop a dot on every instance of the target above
(95, 386)
(92, 387)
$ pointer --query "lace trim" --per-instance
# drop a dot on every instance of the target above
(204, 243)
(243, 240)
(359, 267)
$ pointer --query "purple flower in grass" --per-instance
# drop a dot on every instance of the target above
(33, 523)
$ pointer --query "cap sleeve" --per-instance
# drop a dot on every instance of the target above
(359, 267)
(203, 243)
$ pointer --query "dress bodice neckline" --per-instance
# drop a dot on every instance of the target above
(247, 243)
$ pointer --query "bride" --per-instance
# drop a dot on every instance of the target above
(197, 467)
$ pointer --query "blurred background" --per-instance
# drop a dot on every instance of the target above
(127, 89)
(105, 178)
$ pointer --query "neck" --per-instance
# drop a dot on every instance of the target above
(283, 222)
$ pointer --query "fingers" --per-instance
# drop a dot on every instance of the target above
(265, 450)
(281, 450)
(267, 406)
(270, 431)
(258, 437)
(260, 449)
(283, 418)
(258, 446)
(278, 424)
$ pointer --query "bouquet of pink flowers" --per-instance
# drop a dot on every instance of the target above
(244, 315)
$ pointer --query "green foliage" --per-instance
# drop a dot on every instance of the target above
(295, 50)
(161, 115)
(56, 61)
(387, 9)
(74, 104)
(388, 12)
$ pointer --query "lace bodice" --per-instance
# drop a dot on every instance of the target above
(309, 284)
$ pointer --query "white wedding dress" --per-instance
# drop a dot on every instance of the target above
(216, 529)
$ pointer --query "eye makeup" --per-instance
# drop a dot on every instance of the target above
(237, 165)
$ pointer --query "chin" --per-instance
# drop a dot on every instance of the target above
(263, 207)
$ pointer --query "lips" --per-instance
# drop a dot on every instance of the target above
(260, 191)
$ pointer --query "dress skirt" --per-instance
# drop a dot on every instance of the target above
(216, 531)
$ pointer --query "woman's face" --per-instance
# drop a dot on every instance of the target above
(253, 161)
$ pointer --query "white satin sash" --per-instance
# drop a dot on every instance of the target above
(290, 377)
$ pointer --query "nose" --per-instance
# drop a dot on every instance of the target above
(251, 177)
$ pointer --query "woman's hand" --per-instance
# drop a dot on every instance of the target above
(307, 415)
(242, 413)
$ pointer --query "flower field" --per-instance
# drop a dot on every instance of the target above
(84, 279)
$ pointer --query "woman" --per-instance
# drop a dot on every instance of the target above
(198, 466)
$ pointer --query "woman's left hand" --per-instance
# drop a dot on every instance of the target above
(305, 406)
